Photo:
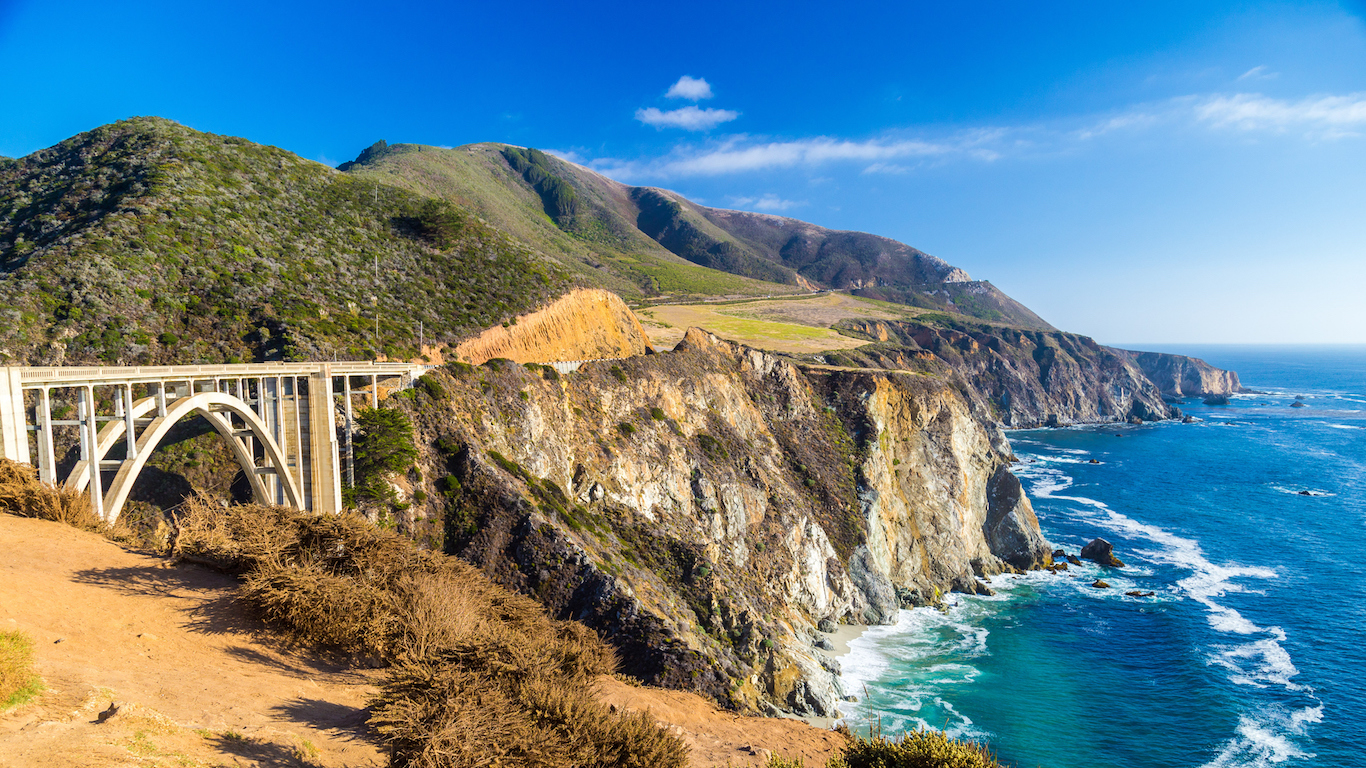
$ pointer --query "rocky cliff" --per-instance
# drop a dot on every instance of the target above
(707, 508)
(1181, 376)
(584, 324)
(1030, 378)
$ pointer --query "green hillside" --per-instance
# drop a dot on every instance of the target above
(631, 237)
(599, 243)
(147, 242)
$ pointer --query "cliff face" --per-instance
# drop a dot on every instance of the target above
(1181, 376)
(584, 324)
(704, 509)
(1030, 378)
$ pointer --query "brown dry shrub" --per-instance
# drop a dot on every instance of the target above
(23, 494)
(483, 676)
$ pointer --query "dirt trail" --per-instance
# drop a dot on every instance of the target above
(149, 663)
(162, 655)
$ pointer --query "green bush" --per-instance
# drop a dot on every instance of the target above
(383, 447)
(627, 428)
(617, 373)
(921, 749)
(657, 414)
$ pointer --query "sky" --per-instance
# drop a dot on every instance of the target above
(1164, 172)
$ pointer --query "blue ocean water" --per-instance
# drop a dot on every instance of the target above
(1252, 650)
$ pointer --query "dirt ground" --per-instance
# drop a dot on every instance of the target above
(149, 663)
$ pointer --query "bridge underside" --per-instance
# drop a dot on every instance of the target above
(282, 422)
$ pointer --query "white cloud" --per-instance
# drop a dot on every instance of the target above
(1258, 73)
(687, 118)
(690, 88)
(1322, 116)
(768, 202)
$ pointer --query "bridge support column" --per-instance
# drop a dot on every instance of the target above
(322, 434)
(90, 449)
(13, 425)
(350, 434)
(47, 460)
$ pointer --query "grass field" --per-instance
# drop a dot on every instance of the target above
(798, 324)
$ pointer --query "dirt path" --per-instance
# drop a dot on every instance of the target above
(148, 663)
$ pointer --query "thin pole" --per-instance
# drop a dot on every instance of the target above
(47, 464)
(91, 446)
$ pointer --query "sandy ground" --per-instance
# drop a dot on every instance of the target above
(149, 663)
(797, 325)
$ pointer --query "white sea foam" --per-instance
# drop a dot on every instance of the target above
(1266, 738)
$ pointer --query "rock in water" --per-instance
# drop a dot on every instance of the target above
(1103, 552)
(1216, 400)
(1011, 529)
(1098, 584)
(1298, 404)
(1074, 560)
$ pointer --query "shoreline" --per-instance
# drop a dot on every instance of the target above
(843, 635)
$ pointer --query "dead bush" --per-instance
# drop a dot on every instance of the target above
(483, 677)
(23, 494)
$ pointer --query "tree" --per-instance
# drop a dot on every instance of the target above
(383, 446)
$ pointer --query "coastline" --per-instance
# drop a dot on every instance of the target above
(843, 635)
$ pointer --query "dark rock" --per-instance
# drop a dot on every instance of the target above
(1060, 567)
(827, 626)
(1216, 400)
(1189, 420)
(1011, 529)
(875, 586)
(1137, 593)
(1298, 404)
(1095, 461)
(1103, 552)
(851, 698)
(1059, 554)
(824, 644)
(1306, 493)
(1098, 584)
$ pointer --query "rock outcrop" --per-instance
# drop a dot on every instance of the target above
(708, 509)
(584, 324)
(1031, 378)
(1181, 376)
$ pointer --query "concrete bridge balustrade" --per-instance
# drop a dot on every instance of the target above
(279, 419)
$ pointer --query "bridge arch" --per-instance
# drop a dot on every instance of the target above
(212, 406)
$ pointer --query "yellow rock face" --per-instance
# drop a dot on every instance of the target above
(584, 324)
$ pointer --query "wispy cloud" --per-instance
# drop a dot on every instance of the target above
(690, 88)
(1319, 116)
(768, 202)
(688, 118)
(1258, 73)
(1316, 118)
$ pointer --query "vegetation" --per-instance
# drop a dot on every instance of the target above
(478, 675)
(383, 448)
(147, 242)
(18, 682)
(22, 494)
(921, 749)
(561, 202)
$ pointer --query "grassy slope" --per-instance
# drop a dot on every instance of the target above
(608, 250)
(147, 242)
(633, 237)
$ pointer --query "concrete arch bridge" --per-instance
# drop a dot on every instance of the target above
(279, 419)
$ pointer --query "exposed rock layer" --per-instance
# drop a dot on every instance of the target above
(1031, 378)
(705, 509)
(1181, 376)
(584, 324)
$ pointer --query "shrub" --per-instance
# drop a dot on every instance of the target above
(657, 414)
(384, 446)
(18, 682)
(480, 674)
(431, 387)
(617, 373)
(23, 494)
(627, 428)
(922, 749)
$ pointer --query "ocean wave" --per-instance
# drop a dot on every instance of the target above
(1266, 738)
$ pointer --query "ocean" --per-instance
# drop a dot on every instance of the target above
(1247, 526)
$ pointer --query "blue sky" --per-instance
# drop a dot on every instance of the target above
(1175, 172)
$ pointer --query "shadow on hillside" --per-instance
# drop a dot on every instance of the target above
(212, 605)
(343, 722)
